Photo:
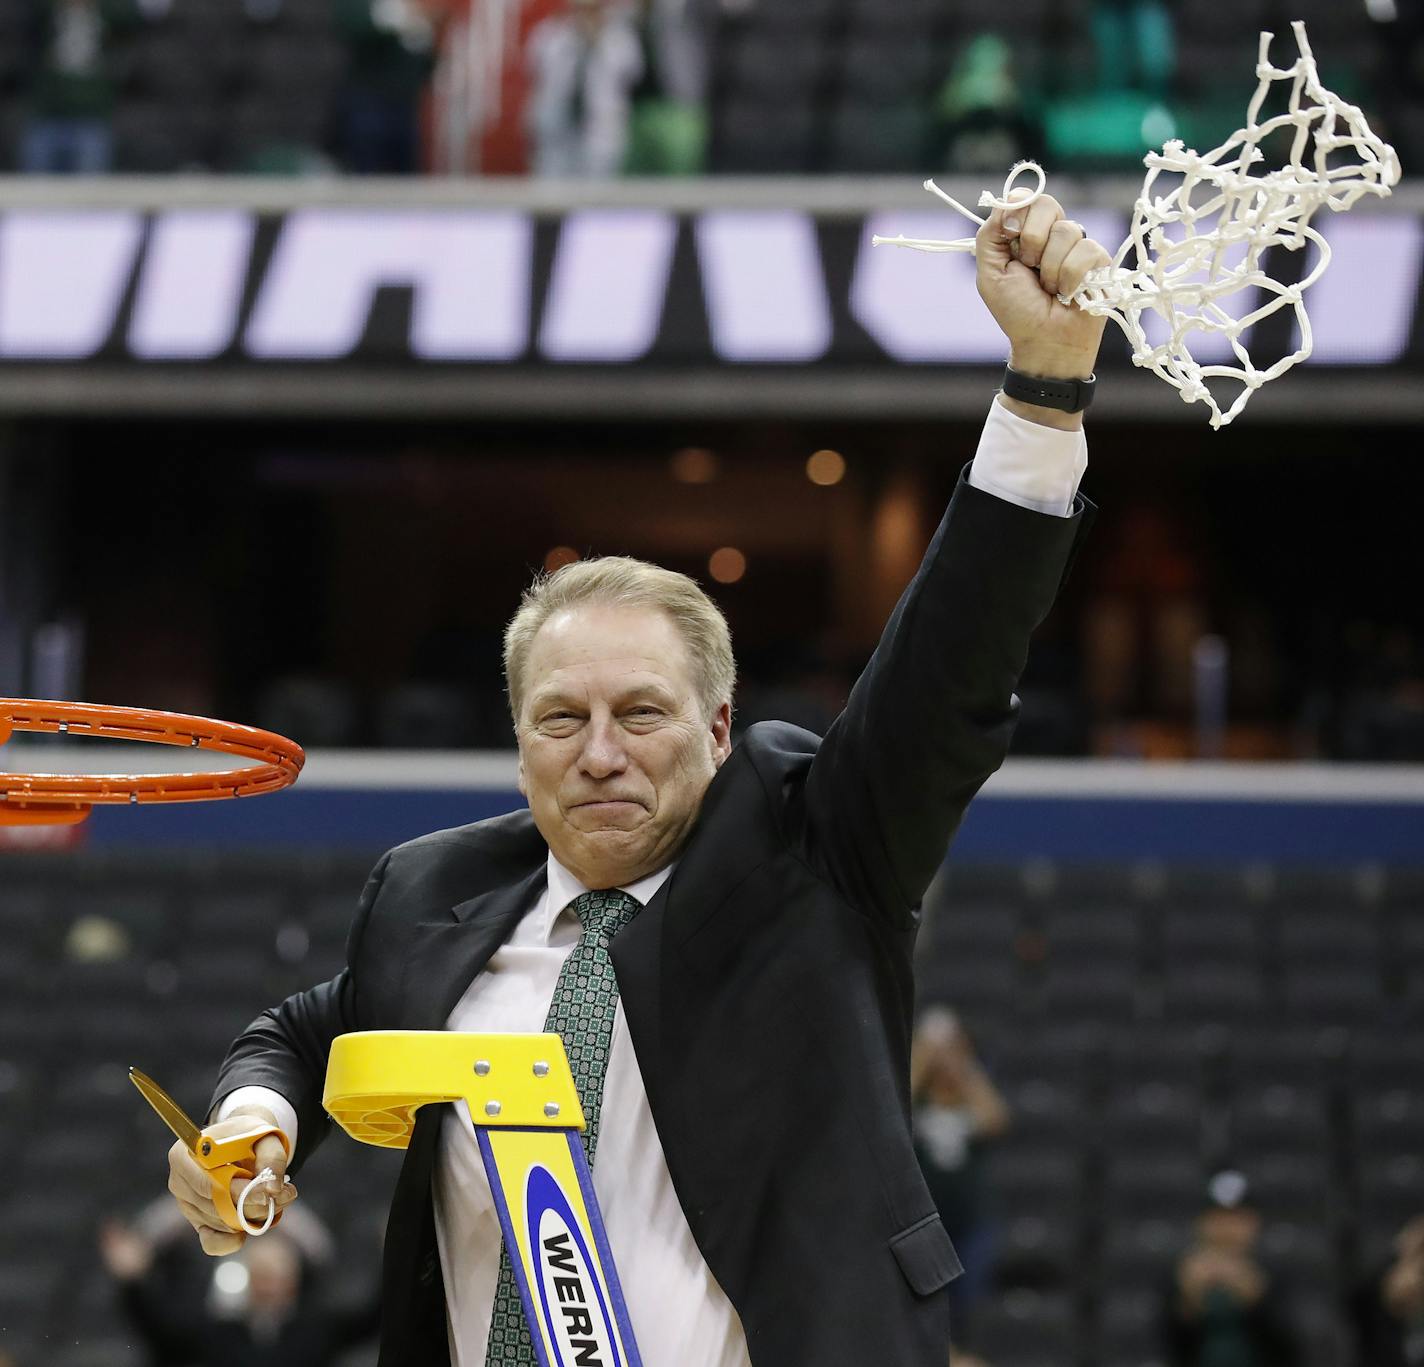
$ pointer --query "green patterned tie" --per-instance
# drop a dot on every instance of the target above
(582, 1012)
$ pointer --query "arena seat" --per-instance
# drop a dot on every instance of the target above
(1103, 935)
(1034, 1049)
(1280, 1118)
(1212, 19)
(980, 987)
(959, 922)
(1023, 1172)
(1152, 1113)
(324, 712)
(1097, 993)
(1294, 1055)
(920, 16)
(986, 16)
(1155, 1184)
(420, 716)
(1193, 935)
(1037, 1249)
(771, 64)
(1340, 936)
(1118, 1111)
(1382, 1062)
(876, 137)
(803, 14)
(1391, 1184)
(762, 137)
(1328, 22)
(1390, 1122)
(1049, 1111)
(1213, 994)
(887, 68)
(1340, 994)
(1128, 1329)
(1294, 1187)
(1138, 1253)
(158, 137)
(1304, 1255)
(1026, 1328)
(1158, 1054)
(27, 1286)
(163, 64)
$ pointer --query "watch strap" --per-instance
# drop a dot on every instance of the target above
(1069, 396)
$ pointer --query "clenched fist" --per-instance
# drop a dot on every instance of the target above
(1026, 258)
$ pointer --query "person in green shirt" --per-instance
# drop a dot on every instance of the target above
(1223, 1309)
(391, 47)
(71, 95)
(958, 1114)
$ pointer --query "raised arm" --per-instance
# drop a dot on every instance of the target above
(931, 717)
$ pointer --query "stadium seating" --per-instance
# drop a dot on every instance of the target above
(1087, 989)
(231, 87)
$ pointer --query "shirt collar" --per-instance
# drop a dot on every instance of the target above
(564, 888)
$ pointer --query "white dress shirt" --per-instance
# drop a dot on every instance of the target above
(1026, 463)
(680, 1315)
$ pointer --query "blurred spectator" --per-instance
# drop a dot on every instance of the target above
(391, 47)
(71, 97)
(957, 1113)
(1382, 715)
(981, 123)
(584, 66)
(1133, 40)
(1104, 129)
(1399, 35)
(1148, 609)
(1388, 1311)
(1222, 1308)
(668, 133)
(260, 1316)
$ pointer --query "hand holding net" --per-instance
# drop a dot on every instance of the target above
(1194, 255)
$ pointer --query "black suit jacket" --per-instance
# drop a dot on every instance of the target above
(767, 986)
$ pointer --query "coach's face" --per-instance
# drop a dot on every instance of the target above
(615, 751)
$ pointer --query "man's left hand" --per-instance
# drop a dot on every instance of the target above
(1025, 258)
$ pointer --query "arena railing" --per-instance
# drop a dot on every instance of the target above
(1073, 811)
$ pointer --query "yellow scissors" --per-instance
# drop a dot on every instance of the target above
(235, 1155)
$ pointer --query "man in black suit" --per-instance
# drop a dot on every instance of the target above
(723, 936)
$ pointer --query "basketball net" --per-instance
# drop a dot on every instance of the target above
(1193, 256)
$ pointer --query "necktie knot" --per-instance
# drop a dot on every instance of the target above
(603, 914)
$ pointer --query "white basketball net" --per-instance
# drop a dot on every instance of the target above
(1193, 257)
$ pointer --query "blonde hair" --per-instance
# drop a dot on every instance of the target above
(621, 581)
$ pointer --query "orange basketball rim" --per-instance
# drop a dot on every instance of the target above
(65, 799)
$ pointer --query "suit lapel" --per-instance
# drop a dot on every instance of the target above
(636, 951)
(447, 953)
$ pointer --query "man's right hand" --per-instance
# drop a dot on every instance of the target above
(1024, 259)
(192, 1186)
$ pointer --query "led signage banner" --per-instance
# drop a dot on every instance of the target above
(513, 291)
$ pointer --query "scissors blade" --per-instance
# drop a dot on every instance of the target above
(169, 1111)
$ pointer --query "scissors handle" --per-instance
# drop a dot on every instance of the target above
(234, 1156)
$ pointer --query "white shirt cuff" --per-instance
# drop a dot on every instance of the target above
(1026, 463)
(275, 1102)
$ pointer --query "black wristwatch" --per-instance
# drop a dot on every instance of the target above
(1071, 396)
